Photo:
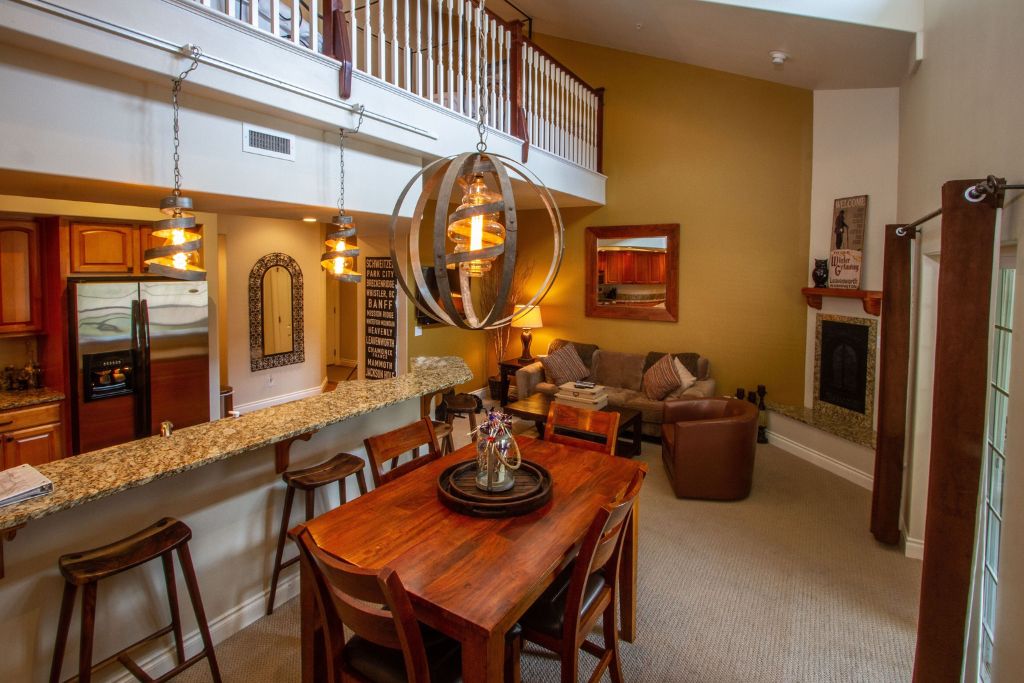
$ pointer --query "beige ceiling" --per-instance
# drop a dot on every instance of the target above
(824, 54)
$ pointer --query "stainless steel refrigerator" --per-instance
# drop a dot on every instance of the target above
(139, 356)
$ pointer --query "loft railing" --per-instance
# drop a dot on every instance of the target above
(431, 48)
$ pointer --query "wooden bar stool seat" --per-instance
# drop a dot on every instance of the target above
(462, 405)
(443, 432)
(85, 569)
(309, 479)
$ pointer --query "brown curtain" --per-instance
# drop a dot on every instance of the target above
(894, 366)
(958, 431)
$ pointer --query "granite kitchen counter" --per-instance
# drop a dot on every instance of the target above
(28, 398)
(91, 476)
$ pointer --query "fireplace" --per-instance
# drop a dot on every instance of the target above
(844, 367)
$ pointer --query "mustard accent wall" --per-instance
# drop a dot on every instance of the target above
(442, 340)
(729, 159)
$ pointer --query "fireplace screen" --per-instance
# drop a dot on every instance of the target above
(844, 377)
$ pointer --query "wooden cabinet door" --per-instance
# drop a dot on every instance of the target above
(102, 248)
(32, 446)
(20, 286)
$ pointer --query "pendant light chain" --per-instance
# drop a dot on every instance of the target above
(481, 127)
(341, 159)
(195, 52)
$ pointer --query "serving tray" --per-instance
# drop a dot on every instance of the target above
(456, 488)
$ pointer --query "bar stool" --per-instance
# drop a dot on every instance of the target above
(89, 567)
(309, 479)
(462, 405)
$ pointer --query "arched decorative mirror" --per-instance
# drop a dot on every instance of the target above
(275, 313)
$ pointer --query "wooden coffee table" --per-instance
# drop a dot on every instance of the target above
(536, 407)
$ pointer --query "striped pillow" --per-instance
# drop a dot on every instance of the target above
(661, 378)
(564, 365)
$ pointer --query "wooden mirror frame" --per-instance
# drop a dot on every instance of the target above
(671, 311)
(257, 360)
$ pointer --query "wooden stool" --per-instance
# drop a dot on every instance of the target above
(87, 568)
(443, 432)
(337, 469)
(462, 405)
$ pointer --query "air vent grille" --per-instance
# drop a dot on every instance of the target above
(267, 142)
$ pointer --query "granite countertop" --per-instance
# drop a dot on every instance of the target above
(91, 476)
(827, 422)
(29, 397)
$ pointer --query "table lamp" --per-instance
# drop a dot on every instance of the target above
(528, 321)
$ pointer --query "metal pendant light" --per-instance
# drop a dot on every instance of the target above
(178, 255)
(471, 239)
(340, 258)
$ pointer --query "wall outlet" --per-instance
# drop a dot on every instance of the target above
(417, 331)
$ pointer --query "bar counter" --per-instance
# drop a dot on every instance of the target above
(90, 476)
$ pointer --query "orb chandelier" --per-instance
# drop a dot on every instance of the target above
(340, 256)
(478, 239)
(178, 255)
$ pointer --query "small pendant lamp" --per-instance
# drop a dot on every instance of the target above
(340, 257)
(177, 257)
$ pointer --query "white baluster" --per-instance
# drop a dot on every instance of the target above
(394, 41)
(430, 52)
(528, 102)
(382, 43)
(418, 55)
(451, 55)
(546, 76)
(367, 39)
(461, 77)
(440, 52)
(254, 13)
(296, 20)
(472, 62)
(499, 77)
(353, 24)
(406, 63)
(575, 120)
(230, 4)
(314, 26)
(508, 80)
(492, 59)
(275, 18)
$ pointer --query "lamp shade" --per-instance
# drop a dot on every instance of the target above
(530, 319)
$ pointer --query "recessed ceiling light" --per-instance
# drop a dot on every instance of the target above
(309, 219)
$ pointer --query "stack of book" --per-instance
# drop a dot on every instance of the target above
(21, 483)
(586, 395)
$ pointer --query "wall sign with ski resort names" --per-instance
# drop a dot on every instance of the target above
(381, 318)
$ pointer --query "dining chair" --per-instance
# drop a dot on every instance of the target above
(565, 614)
(443, 429)
(374, 605)
(384, 450)
(594, 430)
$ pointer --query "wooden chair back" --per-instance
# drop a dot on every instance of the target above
(385, 449)
(601, 551)
(594, 430)
(352, 597)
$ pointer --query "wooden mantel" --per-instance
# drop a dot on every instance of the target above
(872, 300)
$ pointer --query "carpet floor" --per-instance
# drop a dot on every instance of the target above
(787, 585)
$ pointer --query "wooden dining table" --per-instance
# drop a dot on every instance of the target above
(472, 578)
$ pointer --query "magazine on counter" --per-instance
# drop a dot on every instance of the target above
(21, 483)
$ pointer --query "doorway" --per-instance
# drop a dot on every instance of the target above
(342, 319)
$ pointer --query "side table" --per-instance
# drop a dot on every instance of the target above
(506, 369)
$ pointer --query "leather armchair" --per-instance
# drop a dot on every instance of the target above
(707, 445)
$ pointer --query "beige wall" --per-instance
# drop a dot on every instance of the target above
(961, 117)
(249, 239)
(729, 159)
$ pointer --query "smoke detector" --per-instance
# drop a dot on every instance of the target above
(778, 57)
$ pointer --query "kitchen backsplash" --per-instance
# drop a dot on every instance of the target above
(17, 351)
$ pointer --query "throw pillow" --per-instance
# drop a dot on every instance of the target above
(686, 378)
(661, 378)
(564, 365)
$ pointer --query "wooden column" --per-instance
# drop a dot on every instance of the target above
(894, 367)
(958, 432)
(337, 43)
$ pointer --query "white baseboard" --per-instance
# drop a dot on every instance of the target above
(221, 628)
(913, 547)
(862, 479)
(283, 398)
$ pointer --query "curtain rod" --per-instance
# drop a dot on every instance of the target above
(974, 194)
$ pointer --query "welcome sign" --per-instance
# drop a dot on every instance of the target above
(849, 218)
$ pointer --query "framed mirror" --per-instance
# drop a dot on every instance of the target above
(275, 313)
(633, 272)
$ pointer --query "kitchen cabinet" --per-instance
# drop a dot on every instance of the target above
(20, 287)
(103, 248)
(632, 267)
(32, 436)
